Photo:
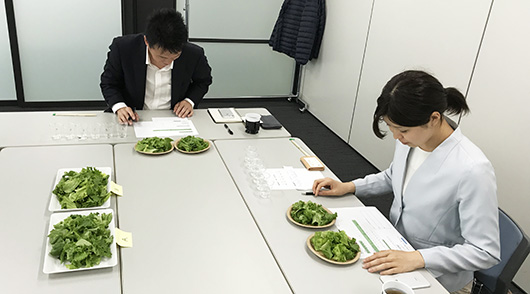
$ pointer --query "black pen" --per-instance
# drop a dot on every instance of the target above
(308, 193)
(130, 118)
(229, 130)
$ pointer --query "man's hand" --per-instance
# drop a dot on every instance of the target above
(336, 188)
(183, 109)
(126, 115)
(389, 262)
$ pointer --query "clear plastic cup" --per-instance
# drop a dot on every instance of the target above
(262, 189)
(122, 130)
(70, 131)
(56, 130)
(95, 131)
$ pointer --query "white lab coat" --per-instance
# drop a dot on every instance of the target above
(449, 212)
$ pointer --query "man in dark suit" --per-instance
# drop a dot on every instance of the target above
(158, 70)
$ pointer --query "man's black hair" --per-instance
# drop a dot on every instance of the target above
(166, 30)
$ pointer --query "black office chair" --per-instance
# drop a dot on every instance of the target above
(515, 247)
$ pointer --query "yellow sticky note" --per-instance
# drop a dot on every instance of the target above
(116, 189)
(124, 239)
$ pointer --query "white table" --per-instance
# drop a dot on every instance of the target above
(305, 272)
(33, 128)
(27, 177)
(191, 229)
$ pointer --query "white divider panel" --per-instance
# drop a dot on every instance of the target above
(63, 46)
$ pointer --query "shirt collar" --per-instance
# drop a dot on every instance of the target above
(148, 62)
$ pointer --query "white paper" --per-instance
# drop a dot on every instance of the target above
(415, 280)
(165, 127)
(371, 229)
(288, 178)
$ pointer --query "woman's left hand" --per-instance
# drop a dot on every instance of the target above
(390, 262)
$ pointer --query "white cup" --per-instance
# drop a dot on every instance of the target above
(397, 287)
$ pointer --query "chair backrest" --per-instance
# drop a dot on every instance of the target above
(515, 247)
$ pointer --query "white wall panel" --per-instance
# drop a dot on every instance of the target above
(499, 98)
(7, 81)
(232, 19)
(441, 37)
(330, 81)
(63, 46)
(248, 70)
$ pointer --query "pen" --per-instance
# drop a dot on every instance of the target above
(229, 130)
(130, 118)
(74, 114)
(308, 193)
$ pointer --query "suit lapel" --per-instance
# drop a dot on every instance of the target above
(140, 68)
(176, 79)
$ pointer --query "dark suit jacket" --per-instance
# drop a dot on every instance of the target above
(123, 77)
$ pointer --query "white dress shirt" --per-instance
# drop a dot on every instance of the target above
(157, 87)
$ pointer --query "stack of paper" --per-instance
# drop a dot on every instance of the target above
(165, 127)
(224, 115)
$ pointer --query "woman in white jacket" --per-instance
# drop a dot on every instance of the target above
(445, 200)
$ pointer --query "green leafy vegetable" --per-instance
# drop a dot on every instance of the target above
(82, 240)
(335, 245)
(309, 213)
(154, 145)
(191, 143)
(87, 188)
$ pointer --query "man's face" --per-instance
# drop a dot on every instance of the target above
(160, 57)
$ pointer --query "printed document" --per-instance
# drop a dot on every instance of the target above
(371, 229)
(165, 127)
(289, 178)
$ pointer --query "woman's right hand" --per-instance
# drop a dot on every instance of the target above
(333, 187)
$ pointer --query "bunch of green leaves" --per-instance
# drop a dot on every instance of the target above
(82, 240)
(87, 188)
(309, 213)
(191, 143)
(154, 145)
(335, 245)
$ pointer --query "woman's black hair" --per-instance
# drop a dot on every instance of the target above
(409, 99)
(166, 30)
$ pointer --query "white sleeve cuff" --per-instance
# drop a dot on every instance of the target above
(191, 102)
(117, 106)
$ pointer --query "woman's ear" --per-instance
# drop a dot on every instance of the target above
(436, 118)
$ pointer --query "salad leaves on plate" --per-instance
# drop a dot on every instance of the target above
(192, 143)
(309, 213)
(335, 245)
(88, 188)
(82, 240)
(154, 145)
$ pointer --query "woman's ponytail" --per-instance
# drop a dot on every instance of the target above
(456, 102)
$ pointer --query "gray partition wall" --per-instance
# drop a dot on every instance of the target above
(7, 81)
(235, 37)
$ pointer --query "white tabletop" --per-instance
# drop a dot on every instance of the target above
(27, 178)
(192, 232)
(33, 128)
(305, 272)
